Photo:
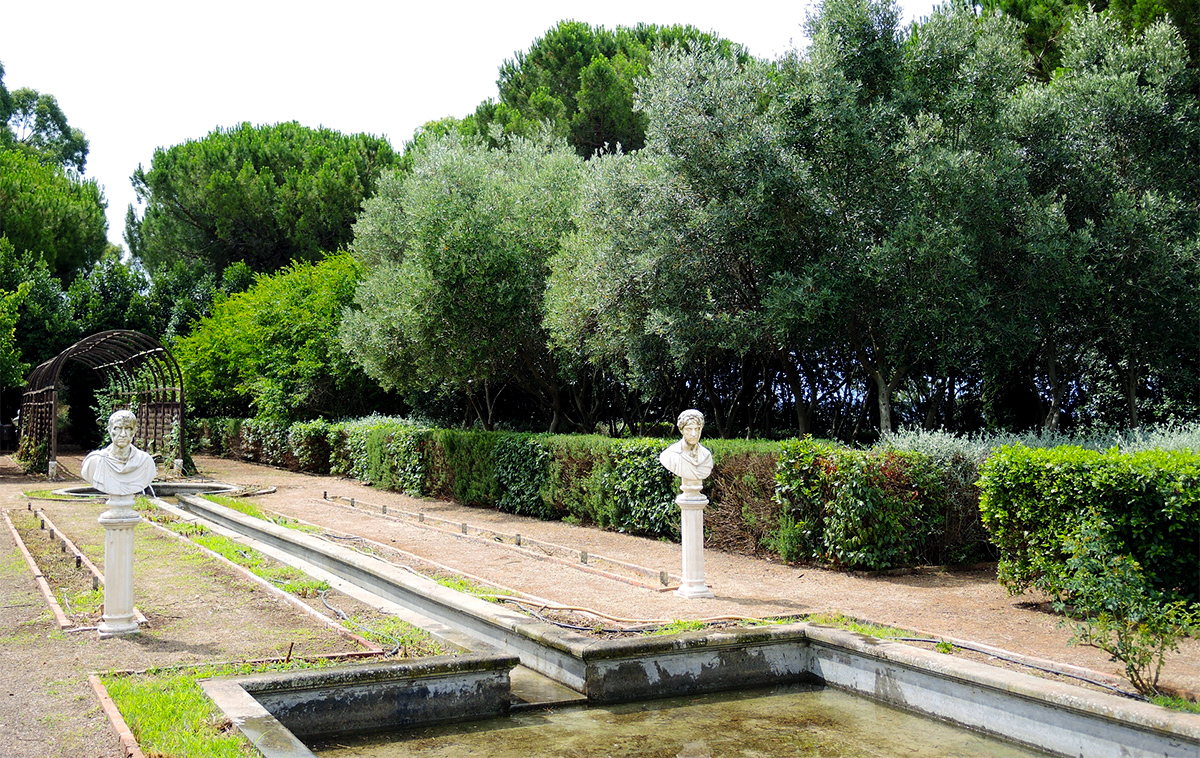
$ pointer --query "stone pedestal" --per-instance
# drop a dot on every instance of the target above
(691, 507)
(118, 522)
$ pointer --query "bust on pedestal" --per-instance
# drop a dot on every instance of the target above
(692, 463)
(119, 471)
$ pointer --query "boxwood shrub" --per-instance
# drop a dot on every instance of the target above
(1034, 502)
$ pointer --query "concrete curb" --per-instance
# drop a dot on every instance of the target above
(369, 648)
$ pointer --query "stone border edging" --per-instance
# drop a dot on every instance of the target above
(584, 563)
(59, 617)
(124, 735)
(370, 648)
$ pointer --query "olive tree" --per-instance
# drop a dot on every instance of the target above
(456, 251)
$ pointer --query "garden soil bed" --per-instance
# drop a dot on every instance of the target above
(199, 612)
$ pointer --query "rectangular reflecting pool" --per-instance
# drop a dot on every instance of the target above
(795, 720)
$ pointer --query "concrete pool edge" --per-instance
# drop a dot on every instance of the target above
(1050, 716)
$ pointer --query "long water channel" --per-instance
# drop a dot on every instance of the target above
(793, 720)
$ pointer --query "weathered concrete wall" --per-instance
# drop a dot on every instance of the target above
(373, 697)
(1054, 717)
(1047, 715)
(694, 662)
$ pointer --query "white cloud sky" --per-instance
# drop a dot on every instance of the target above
(135, 75)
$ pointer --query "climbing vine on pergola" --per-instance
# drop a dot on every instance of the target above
(144, 376)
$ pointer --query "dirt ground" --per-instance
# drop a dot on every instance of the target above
(199, 612)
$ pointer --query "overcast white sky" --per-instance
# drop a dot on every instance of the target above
(135, 75)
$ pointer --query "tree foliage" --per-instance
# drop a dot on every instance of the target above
(273, 351)
(457, 253)
(265, 195)
(45, 321)
(581, 79)
(12, 369)
(51, 213)
(38, 126)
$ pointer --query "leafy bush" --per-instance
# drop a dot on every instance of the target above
(859, 509)
(1033, 500)
(962, 537)
(573, 477)
(1116, 609)
(522, 470)
(309, 441)
(348, 444)
(801, 490)
(395, 457)
(637, 494)
(885, 510)
(33, 458)
(462, 466)
(266, 441)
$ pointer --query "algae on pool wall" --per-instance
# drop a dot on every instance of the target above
(795, 720)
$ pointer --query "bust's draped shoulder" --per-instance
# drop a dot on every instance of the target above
(685, 466)
(116, 477)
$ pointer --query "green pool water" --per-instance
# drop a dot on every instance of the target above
(797, 720)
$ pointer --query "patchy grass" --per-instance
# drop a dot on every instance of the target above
(398, 637)
(170, 715)
(676, 627)
(87, 603)
(842, 621)
(1176, 703)
(48, 494)
(462, 584)
(287, 578)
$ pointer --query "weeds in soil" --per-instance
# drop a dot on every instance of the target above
(87, 603)
(252, 510)
(462, 584)
(1176, 703)
(841, 621)
(676, 627)
(285, 577)
(407, 640)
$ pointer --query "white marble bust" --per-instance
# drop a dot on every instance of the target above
(120, 468)
(687, 458)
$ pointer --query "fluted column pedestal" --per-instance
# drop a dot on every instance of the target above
(691, 507)
(118, 522)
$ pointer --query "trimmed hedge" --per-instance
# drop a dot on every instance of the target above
(1036, 501)
(870, 509)
(905, 503)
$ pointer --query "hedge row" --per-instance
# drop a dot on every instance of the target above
(802, 500)
(1047, 509)
(907, 503)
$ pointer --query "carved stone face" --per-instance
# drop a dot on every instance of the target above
(691, 431)
(122, 434)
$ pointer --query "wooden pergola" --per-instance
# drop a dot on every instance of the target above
(144, 374)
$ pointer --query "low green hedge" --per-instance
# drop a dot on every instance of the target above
(868, 509)
(901, 504)
(1036, 501)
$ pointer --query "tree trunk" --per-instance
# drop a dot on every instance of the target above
(1129, 382)
(887, 387)
(1057, 388)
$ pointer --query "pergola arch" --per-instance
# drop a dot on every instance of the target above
(144, 374)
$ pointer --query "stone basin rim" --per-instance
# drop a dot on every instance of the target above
(160, 488)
